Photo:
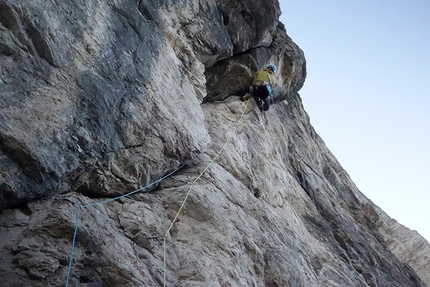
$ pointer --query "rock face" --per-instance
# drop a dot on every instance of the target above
(406, 244)
(100, 98)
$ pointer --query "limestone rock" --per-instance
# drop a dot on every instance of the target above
(236, 72)
(67, 126)
(406, 244)
(99, 99)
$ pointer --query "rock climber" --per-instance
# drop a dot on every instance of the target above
(261, 88)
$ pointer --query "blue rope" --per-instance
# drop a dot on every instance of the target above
(102, 202)
(73, 246)
(134, 191)
(113, 199)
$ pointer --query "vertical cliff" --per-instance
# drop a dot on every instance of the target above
(102, 98)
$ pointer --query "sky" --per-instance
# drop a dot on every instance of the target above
(367, 93)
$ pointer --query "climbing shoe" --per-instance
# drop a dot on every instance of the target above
(245, 97)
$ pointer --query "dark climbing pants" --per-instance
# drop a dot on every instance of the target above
(262, 93)
(258, 92)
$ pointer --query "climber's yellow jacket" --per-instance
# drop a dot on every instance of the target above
(263, 77)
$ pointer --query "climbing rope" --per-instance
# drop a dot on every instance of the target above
(102, 202)
(189, 190)
(294, 244)
(293, 233)
(119, 197)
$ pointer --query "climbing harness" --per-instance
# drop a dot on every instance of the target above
(189, 190)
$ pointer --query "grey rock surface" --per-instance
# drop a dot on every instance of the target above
(406, 244)
(101, 98)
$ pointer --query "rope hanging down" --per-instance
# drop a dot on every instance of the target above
(116, 198)
(102, 202)
(293, 233)
(192, 184)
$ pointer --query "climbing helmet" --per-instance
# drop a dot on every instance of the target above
(272, 67)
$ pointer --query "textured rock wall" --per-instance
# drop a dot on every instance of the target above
(100, 98)
(406, 244)
(85, 118)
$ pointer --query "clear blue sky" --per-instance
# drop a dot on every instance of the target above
(368, 95)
